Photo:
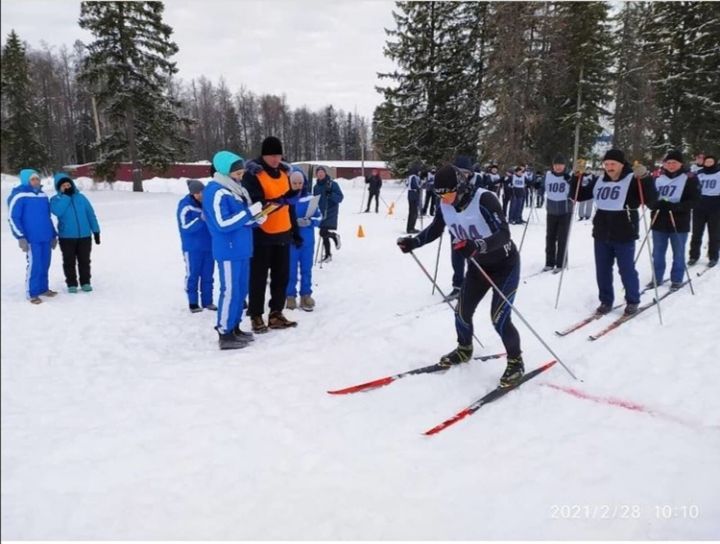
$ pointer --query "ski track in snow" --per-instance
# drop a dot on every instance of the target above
(122, 420)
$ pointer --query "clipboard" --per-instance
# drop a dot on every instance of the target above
(267, 210)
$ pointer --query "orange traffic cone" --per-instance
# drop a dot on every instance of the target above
(360, 232)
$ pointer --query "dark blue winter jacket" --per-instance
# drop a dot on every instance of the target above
(29, 211)
(194, 233)
(76, 217)
(330, 198)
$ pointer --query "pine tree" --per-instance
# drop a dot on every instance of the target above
(683, 41)
(128, 67)
(20, 123)
(578, 41)
(425, 116)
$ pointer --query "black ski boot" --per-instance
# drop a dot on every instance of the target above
(460, 354)
(513, 372)
(230, 341)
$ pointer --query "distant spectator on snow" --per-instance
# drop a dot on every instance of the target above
(30, 223)
(197, 248)
(413, 195)
(330, 198)
(77, 225)
(374, 182)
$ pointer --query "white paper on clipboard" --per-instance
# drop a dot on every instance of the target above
(312, 207)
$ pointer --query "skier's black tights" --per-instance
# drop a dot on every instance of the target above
(506, 275)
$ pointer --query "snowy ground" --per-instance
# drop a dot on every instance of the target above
(122, 420)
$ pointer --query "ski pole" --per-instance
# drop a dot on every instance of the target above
(440, 291)
(567, 241)
(514, 309)
(672, 220)
(647, 233)
(642, 245)
(522, 240)
(317, 251)
(437, 263)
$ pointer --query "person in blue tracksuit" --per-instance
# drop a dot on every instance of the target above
(229, 215)
(197, 248)
(77, 225)
(30, 223)
(302, 257)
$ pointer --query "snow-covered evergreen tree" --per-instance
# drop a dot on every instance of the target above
(20, 123)
(129, 68)
(683, 41)
(425, 116)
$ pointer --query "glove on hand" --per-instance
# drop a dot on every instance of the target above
(96, 235)
(53, 244)
(639, 170)
(303, 222)
(408, 243)
(470, 248)
(255, 208)
(23, 244)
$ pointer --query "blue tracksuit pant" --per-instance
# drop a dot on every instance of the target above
(38, 265)
(605, 255)
(234, 285)
(302, 259)
(199, 268)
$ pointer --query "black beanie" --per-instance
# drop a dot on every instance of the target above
(446, 179)
(559, 159)
(614, 155)
(237, 165)
(271, 146)
(673, 155)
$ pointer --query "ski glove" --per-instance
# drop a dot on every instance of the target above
(639, 170)
(303, 222)
(53, 244)
(23, 243)
(96, 235)
(408, 243)
(470, 248)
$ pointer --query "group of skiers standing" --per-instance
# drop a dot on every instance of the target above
(480, 234)
(29, 215)
(253, 219)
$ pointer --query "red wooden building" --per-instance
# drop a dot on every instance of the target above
(124, 171)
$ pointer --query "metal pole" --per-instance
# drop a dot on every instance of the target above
(647, 232)
(514, 309)
(440, 291)
(437, 263)
(567, 239)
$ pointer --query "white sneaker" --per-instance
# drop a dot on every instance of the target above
(338, 243)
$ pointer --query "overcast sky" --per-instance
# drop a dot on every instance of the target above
(315, 52)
